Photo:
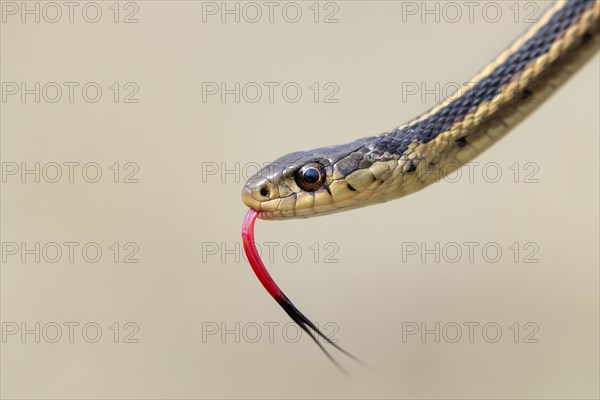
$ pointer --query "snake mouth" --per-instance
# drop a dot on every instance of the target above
(293, 205)
(266, 207)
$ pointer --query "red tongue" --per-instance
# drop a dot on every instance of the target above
(263, 276)
(257, 265)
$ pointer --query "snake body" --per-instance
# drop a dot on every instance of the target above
(408, 158)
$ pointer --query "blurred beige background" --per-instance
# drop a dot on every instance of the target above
(189, 319)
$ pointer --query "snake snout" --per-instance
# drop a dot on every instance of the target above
(252, 197)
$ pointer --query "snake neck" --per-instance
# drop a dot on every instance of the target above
(508, 89)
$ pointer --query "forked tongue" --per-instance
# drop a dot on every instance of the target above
(263, 276)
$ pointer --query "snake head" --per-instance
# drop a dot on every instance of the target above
(314, 182)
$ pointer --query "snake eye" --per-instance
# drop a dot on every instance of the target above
(310, 177)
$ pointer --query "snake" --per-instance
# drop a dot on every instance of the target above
(408, 158)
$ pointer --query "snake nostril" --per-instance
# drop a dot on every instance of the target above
(264, 192)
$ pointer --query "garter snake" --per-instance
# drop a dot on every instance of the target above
(408, 158)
